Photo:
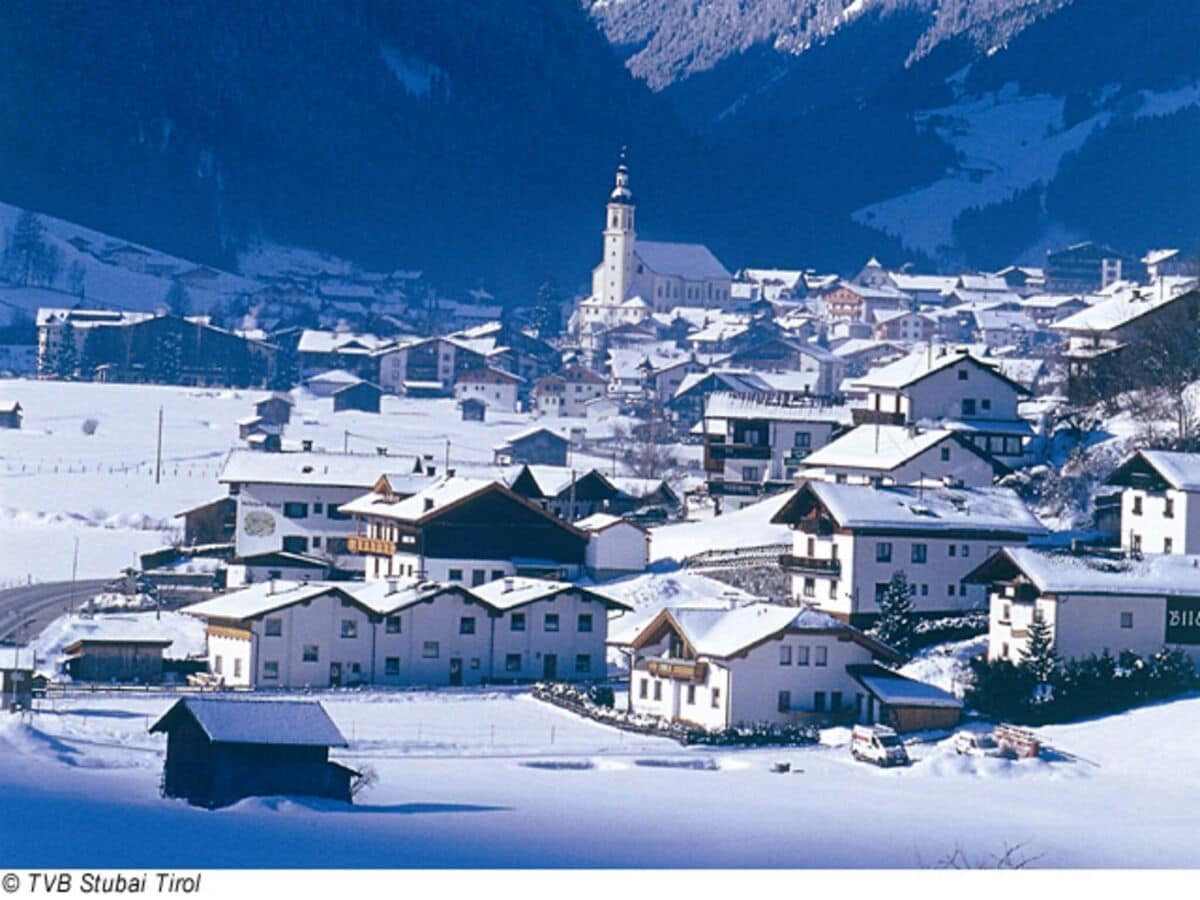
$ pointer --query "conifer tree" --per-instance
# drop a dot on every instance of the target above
(1038, 655)
(896, 626)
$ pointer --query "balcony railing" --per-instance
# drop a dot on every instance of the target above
(371, 546)
(734, 489)
(738, 451)
(795, 456)
(876, 417)
(810, 565)
(678, 669)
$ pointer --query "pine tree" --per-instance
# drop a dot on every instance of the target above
(547, 311)
(65, 358)
(177, 301)
(1038, 655)
(896, 626)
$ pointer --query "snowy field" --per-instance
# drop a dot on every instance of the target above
(58, 483)
(495, 778)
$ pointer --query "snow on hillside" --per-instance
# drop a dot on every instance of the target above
(747, 527)
(107, 283)
(1006, 142)
(58, 483)
(492, 778)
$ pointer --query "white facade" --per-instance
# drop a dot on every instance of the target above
(298, 518)
(615, 547)
(496, 392)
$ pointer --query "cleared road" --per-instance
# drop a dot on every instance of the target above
(25, 611)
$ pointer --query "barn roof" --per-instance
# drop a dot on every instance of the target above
(236, 721)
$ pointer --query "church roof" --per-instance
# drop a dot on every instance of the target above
(694, 262)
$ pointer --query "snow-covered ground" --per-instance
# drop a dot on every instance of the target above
(186, 634)
(747, 527)
(58, 483)
(495, 778)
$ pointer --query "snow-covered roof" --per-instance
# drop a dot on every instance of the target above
(1155, 575)
(1180, 470)
(1119, 310)
(389, 595)
(877, 447)
(256, 599)
(693, 262)
(917, 366)
(893, 689)
(527, 433)
(422, 504)
(243, 721)
(334, 376)
(9, 406)
(775, 406)
(509, 593)
(924, 283)
(984, 283)
(310, 468)
(314, 341)
(916, 509)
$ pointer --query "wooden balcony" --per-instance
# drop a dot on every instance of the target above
(678, 669)
(876, 417)
(370, 546)
(810, 565)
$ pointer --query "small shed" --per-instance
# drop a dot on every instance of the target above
(902, 703)
(326, 384)
(615, 547)
(363, 397)
(221, 750)
(117, 659)
(10, 414)
(473, 409)
(213, 522)
(534, 446)
(16, 677)
(274, 410)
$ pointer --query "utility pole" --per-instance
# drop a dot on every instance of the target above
(346, 441)
(74, 572)
(158, 453)
(446, 470)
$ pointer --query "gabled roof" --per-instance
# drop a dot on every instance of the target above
(774, 406)
(510, 593)
(722, 633)
(311, 468)
(882, 447)
(1118, 311)
(264, 597)
(693, 262)
(913, 509)
(242, 721)
(1155, 575)
(1179, 470)
(390, 595)
(526, 433)
(602, 521)
(893, 689)
(918, 366)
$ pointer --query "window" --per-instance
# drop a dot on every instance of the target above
(466, 625)
(585, 622)
(237, 667)
(810, 587)
(819, 701)
(332, 512)
(833, 588)
(716, 698)
(802, 656)
(551, 621)
(1137, 505)
(953, 549)
(691, 695)
(497, 574)
(880, 589)
(657, 690)
(962, 374)
(1006, 615)
(802, 440)
(945, 452)
(966, 550)
(318, 508)
(393, 625)
(391, 665)
(316, 542)
(455, 575)
(270, 670)
(217, 661)
(924, 590)
(785, 655)
(883, 552)
(1135, 543)
(1168, 545)
(512, 663)
(785, 701)
(1169, 508)
(749, 473)
(517, 622)
(295, 510)
(273, 627)
(1038, 615)
(643, 688)
(583, 663)
(821, 657)
(949, 590)
(1126, 620)
(919, 552)
(985, 403)
(430, 650)
(835, 701)
(349, 628)
(478, 577)
(968, 406)
(295, 544)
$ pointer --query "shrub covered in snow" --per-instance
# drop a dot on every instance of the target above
(89, 426)
(755, 734)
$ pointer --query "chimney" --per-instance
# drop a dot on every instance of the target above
(381, 451)
(431, 470)
(450, 473)
(509, 582)
(392, 585)
(428, 504)
(271, 589)
(306, 445)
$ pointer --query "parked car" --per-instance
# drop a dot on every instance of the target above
(977, 743)
(878, 744)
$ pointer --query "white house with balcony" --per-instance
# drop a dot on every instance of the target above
(1092, 603)
(849, 540)
(757, 663)
(1160, 502)
(902, 454)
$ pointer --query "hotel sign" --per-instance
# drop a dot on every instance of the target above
(1183, 620)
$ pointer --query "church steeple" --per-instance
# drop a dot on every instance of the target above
(619, 238)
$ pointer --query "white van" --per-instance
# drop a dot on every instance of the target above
(878, 744)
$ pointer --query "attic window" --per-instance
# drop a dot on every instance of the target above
(962, 374)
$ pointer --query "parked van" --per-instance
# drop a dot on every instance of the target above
(878, 744)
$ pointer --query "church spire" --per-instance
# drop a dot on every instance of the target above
(621, 193)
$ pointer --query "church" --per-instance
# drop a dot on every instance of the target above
(638, 278)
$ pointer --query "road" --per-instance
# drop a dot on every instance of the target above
(25, 611)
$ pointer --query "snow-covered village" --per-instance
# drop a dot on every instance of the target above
(700, 558)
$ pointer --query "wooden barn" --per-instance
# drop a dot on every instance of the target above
(274, 410)
(533, 446)
(10, 414)
(903, 704)
(117, 659)
(16, 677)
(363, 397)
(221, 750)
(473, 409)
